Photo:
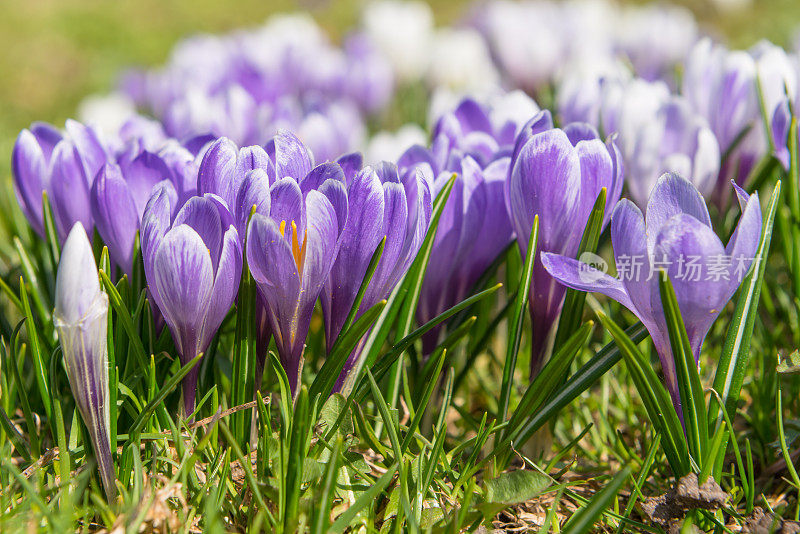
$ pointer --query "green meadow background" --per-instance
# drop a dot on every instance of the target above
(55, 52)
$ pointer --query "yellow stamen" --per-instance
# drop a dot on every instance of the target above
(283, 228)
(298, 250)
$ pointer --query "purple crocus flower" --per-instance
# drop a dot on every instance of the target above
(659, 133)
(721, 85)
(290, 250)
(557, 175)
(193, 264)
(781, 124)
(65, 166)
(81, 319)
(474, 142)
(244, 178)
(675, 236)
(118, 198)
(381, 203)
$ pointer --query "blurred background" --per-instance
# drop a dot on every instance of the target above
(56, 52)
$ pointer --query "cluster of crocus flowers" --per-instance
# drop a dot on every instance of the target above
(473, 142)
(536, 42)
(557, 175)
(63, 164)
(382, 203)
(228, 85)
(101, 182)
(658, 132)
(292, 245)
(674, 237)
(81, 320)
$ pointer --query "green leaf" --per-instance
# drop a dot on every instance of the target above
(297, 452)
(516, 486)
(735, 357)
(362, 289)
(579, 382)
(51, 236)
(383, 325)
(326, 378)
(385, 362)
(367, 498)
(168, 387)
(585, 519)
(544, 384)
(655, 398)
(124, 316)
(327, 489)
(37, 351)
(423, 404)
(413, 285)
(516, 320)
(693, 404)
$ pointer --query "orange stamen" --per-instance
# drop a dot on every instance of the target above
(298, 250)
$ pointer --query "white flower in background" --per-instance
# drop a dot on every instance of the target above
(629, 106)
(579, 91)
(403, 32)
(658, 132)
(106, 112)
(526, 39)
(459, 60)
(656, 38)
(588, 34)
(389, 146)
(514, 107)
(777, 74)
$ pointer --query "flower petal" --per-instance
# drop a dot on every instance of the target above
(201, 214)
(693, 249)
(31, 175)
(142, 174)
(115, 215)
(254, 191)
(183, 276)
(69, 189)
(583, 277)
(672, 195)
(292, 158)
(286, 203)
(217, 168)
(226, 285)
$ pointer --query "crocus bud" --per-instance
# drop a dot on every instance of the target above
(81, 319)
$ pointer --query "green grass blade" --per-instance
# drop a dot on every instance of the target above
(693, 404)
(36, 351)
(585, 519)
(124, 316)
(151, 406)
(583, 379)
(362, 289)
(516, 321)
(545, 382)
(735, 356)
(297, 453)
(413, 285)
(326, 378)
(655, 398)
(367, 498)
(327, 490)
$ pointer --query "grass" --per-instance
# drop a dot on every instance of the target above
(466, 442)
